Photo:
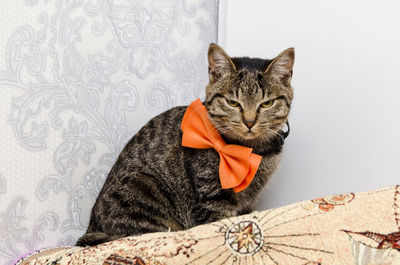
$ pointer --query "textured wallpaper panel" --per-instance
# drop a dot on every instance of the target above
(77, 79)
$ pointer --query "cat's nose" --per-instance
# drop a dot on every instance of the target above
(249, 124)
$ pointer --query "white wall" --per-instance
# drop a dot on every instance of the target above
(346, 112)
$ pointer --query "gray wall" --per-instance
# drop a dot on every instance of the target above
(345, 116)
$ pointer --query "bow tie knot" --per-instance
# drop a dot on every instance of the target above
(238, 165)
(218, 146)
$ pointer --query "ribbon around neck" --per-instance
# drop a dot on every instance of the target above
(238, 165)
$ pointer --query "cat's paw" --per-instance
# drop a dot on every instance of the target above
(92, 239)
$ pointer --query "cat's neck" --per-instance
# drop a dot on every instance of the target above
(272, 146)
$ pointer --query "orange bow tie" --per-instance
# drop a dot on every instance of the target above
(238, 165)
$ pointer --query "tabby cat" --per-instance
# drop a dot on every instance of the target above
(157, 185)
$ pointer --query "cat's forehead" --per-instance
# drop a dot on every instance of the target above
(245, 85)
(249, 74)
(247, 82)
(252, 86)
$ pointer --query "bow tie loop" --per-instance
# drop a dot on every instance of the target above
(238, 165)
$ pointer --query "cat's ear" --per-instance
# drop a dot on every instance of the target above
(282, 65)
(219, 63)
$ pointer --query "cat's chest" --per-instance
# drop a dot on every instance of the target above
(204, 161)
(269, 163)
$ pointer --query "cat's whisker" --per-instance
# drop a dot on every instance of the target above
(276, 133)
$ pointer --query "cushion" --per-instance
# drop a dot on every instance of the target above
(354, 228)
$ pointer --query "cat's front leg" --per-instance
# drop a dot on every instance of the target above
(246, 210)
(211, 211)
(133, 203)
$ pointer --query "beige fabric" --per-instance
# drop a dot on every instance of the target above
(361, 229)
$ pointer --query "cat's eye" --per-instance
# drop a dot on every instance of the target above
(267, 104)
(232, 103)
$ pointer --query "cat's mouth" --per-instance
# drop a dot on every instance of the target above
(250, 135)
(240, 134)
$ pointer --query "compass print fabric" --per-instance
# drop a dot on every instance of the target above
(361, 229)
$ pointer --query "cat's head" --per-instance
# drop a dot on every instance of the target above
(248, 99)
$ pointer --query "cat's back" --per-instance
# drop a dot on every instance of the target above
(158, 137)
(147, 179)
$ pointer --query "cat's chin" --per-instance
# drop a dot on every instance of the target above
(250, 136)
(248, 139)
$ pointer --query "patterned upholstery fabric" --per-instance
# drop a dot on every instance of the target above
(77, 79)
(356, 228)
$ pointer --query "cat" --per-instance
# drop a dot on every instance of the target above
(157, 185)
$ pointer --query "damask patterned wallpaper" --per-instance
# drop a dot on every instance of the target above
(77, 79)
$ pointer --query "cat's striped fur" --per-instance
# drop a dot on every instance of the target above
(157, 185)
